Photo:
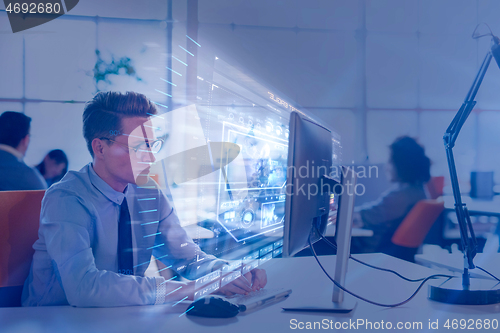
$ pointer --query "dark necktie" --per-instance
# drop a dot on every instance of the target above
(125, 254)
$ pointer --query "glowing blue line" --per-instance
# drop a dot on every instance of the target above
(144, 199)
(148, 211)
(135, 136)
(182, 62)
(164, 93)
(191, 308)
(169, 82)
(166, 255)
(158, 233)
(152, 247)
(168, 280)
(173, 291)
(193, 40)
(166, 107)
(144, 263)
(170, 69)
(150, 163)
(150, 223)
(147, 262)
(186, 50)
(152, 186)
(152, 115)
(156, 128)
(164, 268)
(179, 301)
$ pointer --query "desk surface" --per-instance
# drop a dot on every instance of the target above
(356, 232)
(475, 206)
(301, 274)
(455, 262)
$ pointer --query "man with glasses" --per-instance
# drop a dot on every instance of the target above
(99, 226)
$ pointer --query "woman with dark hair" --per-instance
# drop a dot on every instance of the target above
(409, 170)
(54, 166)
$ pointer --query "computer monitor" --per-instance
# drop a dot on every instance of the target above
(307, 206)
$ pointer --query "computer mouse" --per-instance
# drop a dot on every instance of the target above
(213, 307)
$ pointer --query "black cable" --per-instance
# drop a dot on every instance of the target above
(334, 246)
(493, 276)
(366, 300)
(387, 270)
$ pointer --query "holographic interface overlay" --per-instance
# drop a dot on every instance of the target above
(234, 269)
(251, 197)
(223, 161)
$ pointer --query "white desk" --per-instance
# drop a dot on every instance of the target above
(481, 207)
(455, 262)
(301, 274)
(356, 232)
(476, 207)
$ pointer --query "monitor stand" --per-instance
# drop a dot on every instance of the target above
(340, 302)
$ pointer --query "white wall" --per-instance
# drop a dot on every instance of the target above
(408, 77)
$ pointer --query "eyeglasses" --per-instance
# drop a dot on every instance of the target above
(145, 147)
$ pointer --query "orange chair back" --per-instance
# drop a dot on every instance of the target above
(19, 222)
(412, 231)
(435, 187)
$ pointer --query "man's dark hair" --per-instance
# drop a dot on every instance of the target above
(409, 161)
(14, 126)
(103, 114)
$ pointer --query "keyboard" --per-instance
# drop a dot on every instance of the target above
(258, 298)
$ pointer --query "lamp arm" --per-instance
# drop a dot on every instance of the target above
(449, 138)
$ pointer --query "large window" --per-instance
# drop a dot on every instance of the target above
(48, 71)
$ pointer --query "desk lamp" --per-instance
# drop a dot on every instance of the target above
(475, 291)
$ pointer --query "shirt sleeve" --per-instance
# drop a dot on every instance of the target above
(179, 252)
(392, 205)
(65, 225)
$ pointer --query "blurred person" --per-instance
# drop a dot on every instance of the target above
(14, 142)
(100, 226)
(53, 166)
(409, 170)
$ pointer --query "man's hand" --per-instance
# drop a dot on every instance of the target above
(258, 278)
(254, 280)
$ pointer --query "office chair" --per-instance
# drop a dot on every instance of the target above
(412, 231)
(435, 187)
(20, 215)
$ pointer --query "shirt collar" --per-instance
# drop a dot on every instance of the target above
(13, 151)
(104, 188)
